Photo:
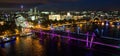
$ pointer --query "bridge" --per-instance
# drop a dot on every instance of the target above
(88, 39)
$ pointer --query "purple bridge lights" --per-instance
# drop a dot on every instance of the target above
(89, 39)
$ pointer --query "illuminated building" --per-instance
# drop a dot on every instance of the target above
(54, 17)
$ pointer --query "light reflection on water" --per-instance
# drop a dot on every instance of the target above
(27, 46)
(24, 46)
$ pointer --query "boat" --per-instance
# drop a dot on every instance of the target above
(25, 34)
(4, 39)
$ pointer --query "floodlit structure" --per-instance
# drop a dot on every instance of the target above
(21, 21)
(54, 17)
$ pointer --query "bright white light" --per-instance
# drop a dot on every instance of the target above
(101, 15)
(102, 23)
(7, 38)
(45, 12)
(33, 18)
(68, 14)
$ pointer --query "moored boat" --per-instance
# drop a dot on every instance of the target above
(4, 39)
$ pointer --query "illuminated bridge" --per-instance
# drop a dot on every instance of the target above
(89, 40)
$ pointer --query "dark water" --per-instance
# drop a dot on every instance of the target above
(27, 46)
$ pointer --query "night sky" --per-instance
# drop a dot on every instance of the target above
(63, 4)
(34, 1)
